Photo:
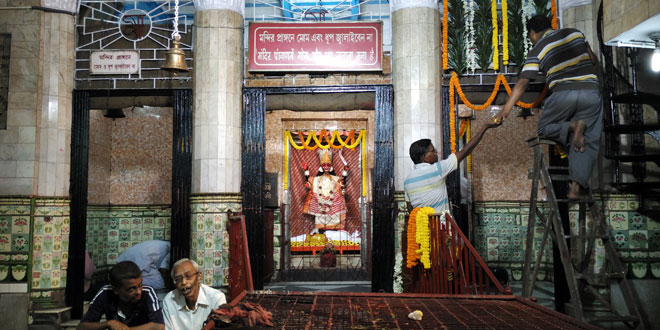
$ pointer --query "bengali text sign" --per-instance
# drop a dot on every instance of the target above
(315, 46)
(114, 62)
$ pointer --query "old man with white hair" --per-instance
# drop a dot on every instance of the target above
(190, 304)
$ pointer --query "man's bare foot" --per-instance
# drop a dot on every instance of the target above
(575, 193)
(578, 128)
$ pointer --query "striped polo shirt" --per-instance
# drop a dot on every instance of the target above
(563, 56)
(425, 185)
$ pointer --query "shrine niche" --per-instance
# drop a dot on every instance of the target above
(325, 178)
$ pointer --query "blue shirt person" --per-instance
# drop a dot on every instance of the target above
(153, 258)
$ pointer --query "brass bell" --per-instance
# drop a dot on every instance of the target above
(175, 60)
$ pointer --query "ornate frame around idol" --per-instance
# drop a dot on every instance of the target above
(325, 139)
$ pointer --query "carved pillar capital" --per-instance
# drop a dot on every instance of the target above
(66, 5)
(234, 5)
(403, 4)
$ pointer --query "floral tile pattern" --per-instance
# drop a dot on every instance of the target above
(112, 230)
(210, 236)
(14, 240)
(500, 235)
(500, 230)
(50, 244)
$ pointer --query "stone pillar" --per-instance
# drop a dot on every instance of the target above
(217, 82)
(54, 111)
(581, 15)
(35, 147)
(416, 75)
(217, 93)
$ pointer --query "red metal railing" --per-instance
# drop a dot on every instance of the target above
(456, 267)
(240, 272)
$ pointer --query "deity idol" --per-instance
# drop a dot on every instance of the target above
(325, 200)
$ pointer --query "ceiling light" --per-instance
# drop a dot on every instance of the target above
(655, 59)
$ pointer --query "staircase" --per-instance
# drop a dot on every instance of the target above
(626, 128)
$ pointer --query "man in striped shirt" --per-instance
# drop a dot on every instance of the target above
(573, 113)
(425, 185)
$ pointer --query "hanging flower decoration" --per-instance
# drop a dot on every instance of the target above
(505, 33)
(445, 38)
(454, 83)
(350, 142)
(496, 51)
(398, 278)
(412, 257)
(527, 14)
(423, 236)
(471, 53)
(452, 115)
(553, 5)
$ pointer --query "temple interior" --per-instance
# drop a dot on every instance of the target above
(270, 142)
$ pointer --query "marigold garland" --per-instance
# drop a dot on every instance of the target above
(445, 38)
(423, 235)
(350, 142)
(505, 33)
(496, 51)
(454, 84)
(468, 131)
(411, 255)
(554, 14)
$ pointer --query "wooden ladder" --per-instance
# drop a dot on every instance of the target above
(579, 276)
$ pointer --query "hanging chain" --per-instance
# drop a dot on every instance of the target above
(175, 33)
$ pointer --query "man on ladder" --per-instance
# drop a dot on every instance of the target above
(574, 111)
(572, 116)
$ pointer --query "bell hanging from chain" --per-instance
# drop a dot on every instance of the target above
(175, 59)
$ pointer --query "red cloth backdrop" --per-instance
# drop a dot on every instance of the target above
(304, 223)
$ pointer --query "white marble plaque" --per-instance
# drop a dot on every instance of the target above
(114, 62)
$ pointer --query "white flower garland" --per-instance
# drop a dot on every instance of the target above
(471, 54)
(398, 279)
(528, 10)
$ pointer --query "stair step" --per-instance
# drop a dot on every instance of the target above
(600, 276)
(636, 158)
(61, 314)
(565, 200)
(636, 187)
(615, 318)
(627, 128)
(70, 324)
(637, 98)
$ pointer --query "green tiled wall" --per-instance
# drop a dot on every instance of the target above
(113, 229)
(500, 237)
(15, 238)
(637, 237)
(210, 238)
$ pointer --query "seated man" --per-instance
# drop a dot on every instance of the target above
(125, 302)
(190, 304)
(153, 258)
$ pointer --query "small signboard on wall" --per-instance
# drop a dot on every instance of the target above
(270, 190)
(304, 47)
(114, 62)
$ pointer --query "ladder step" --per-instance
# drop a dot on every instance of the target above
(588, 236)
(559, 177)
